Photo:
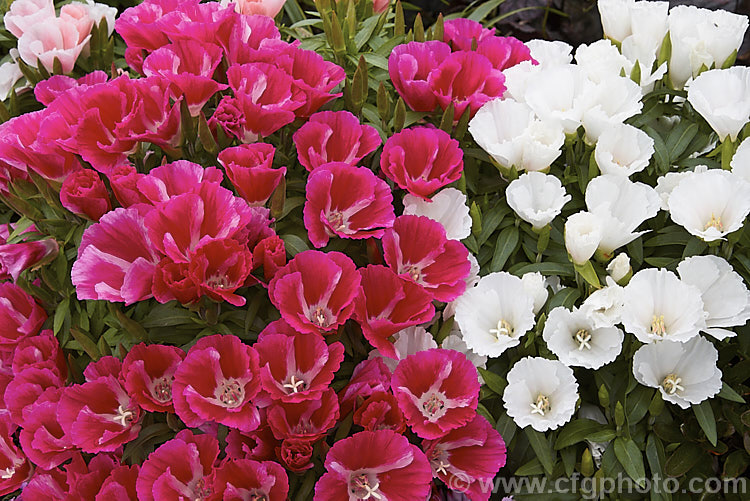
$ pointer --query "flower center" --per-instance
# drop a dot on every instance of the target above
(218, 282)
(294, 384)
(714, 222)
(541, 406)
(231, 393)
(162, 389)
(336, 220)
(503, 329)
(414, 271)
(583, 338)
(433, 404)
(671, 384)
(123, 416)
(8, 472)
(363, 487)
(202, 490)
(258, 496)
(657, 326)
(319, 318)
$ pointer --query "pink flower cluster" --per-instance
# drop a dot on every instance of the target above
(464, 70)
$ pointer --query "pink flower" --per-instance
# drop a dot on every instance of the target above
(124, 182)
(369, 377)
(334, 136)
(466, 80)
(437, 390)
(24, 14)
(48, 90)
(16, 469)
(296, 454)
(313, 76)
(105, 366)
(315, 291)
(409, 67)
(259, 7)
(348, 202)
(99, 415)
(181, 468)
(120, 484)
(203, 22)
(461, 33)
(42, 437)
(219, 267)
(375, 465)
(242, 479)
(148, 374)
(380, 412)
(387, 304)
(304, 419)
(228, 116)
(504, 52)
(299, 367)
(142, 26)
(106, 269)
(422, 160)
(20, 316)
(417, 248)
(189, 65)
(249, 33)
(217, 382)
(271, 254)
(266, 95)
(258, 444)
(43, 352)
(15, 258)
(250, 169)
(83, 193)
(77, 13)
(468, 458)
(176, 178)
(55, 38)
(26, 387)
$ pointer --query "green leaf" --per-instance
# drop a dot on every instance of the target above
(583, 429)
(62, 311)
(494, 382)
(566, 297)
(506, 244)
(544, 451)
(167, 315)
(87, 344)
(706, 419)
(588, 273)
(683, 459)
(661, 155)
(679, 139)
(727, 393)
(630, 457)
(736, 464)
(294, 244)
(484, 10)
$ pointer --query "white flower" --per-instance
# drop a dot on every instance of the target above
(659, 306)
(455, 342)
(710, 204)
(10, 73)
(471, 280)
(548, 53)
(726, 299)
(536, 286)
(669, 181)
(604, 306)
(494, 315)
(685, 373)
(644, 57)
(619, 267)
(99, 11)
(608, 103)
(448, 207)
(615, 15)
(621, 205)
(601, 60)
(722, 97)
(513, 136)
(702, 37)
(649, 25)
(541, 393)
(623, 150)
(583, 233)
(555, 95)
(536, 198)
(740, 161)
(573, 337)
(407, 342)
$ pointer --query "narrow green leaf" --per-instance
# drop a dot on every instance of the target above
(727, 393)
(504, 248)
(87, 344)
(544, 451)
(62, 310)
(588, 273)
(631, 458)
(683, 459)
(294, 244)
(583, 429)
(706, 419)
(494, 382)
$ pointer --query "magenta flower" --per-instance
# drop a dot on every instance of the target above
(437, 390)
(250, 169)
(120, 484)
(189, 65)
(258, 445)
(99, 415)
(219, 267)
(20, 316)
(203, 22)
(176, 178)
(106, 269)
(466, 80)
(124, 182)
(306, 419)
(42, 437)
(417, 248)
(348, 202)
(369, 377)
(26, 387)
(313, 76)
(15, 258)
(468, 458)
(375, 465)
(380, 412)
(242, 479)
(16, 468)
(388, 303)
(299, 367)
(84, 193)
(409, 67)
(422, 160)
(180, 468)
(504, 52)
(142, 26)
(217, 382)
(47, 91)
(42, 352)
(334, 136)
(315, 291)
(462, 33)
(148, 374)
